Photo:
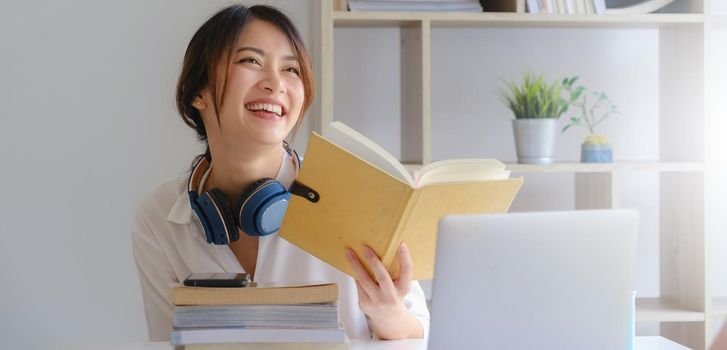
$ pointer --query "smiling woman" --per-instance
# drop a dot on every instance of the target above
(245, 85)
(221, 46)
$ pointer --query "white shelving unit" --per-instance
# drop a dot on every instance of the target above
(685, 305)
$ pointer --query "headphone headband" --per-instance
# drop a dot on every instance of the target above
(198, 172)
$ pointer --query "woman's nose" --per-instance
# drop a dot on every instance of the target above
(273, 83)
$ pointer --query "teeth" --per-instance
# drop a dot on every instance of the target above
(277, 109)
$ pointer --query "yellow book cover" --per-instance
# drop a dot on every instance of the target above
(255, 294)
(367, 197)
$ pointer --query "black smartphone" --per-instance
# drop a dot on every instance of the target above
(217, 280)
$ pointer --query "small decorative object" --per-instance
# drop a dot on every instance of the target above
(537, 106)
(595, 149)
(642, 7)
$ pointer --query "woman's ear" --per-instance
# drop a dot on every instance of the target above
(199, 103)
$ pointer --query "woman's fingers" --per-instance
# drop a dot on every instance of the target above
(406, 270)
(363, 296)
(362, 276)
(379, 270)
(381, 288)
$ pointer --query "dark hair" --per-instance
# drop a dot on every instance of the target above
(213, 44)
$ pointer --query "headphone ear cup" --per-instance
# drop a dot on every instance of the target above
(200, 208)
(252, 207)
(228, 215)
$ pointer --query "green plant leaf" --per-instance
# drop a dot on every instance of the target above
(576, 94)
(537, 98)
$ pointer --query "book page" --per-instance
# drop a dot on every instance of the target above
(461, 170)
(358, 144)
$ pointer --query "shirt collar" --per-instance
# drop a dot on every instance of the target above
(181, 212)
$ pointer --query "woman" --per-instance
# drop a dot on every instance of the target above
(246, 83)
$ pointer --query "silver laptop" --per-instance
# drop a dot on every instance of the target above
(546, 280)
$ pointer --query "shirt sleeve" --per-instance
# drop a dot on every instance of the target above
(416, 303)
(155, 276)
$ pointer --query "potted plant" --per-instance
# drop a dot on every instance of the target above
(537, 105)
(589, 114)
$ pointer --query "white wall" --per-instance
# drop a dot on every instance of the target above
(88, 126)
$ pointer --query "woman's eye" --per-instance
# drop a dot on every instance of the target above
(293, 70)
(248, 59)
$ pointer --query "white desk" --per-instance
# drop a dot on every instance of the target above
(640, 343)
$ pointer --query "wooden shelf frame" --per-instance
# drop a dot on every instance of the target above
(509, 19)
(658, 310)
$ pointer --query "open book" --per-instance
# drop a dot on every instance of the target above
(366, 196)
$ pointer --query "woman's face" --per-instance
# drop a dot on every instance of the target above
(264, 93)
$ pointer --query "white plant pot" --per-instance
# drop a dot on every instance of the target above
(535, 140)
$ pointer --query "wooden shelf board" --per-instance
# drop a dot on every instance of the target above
(719, 308)
(506, 19)
(656, 310)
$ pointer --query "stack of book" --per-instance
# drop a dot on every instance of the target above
(567, 7)
(415, 5)
(261, 316)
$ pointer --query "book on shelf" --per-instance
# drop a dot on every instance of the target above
(533, 6)
(589, 7)
(570, 7)
(547, 6)
(255, 294)
(367, 197)
(256, 335)
(580, 7)
(417, 5)
(564, 7)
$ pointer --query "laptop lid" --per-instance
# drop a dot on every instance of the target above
(543, 280)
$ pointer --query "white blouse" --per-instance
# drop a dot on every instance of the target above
(169, 244)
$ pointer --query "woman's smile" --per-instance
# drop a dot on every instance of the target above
(266, 109)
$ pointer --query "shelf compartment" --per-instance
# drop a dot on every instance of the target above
(505, 19)
(657, 310)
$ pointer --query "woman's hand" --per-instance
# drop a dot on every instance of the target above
(381, 298)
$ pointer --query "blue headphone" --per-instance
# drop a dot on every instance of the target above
(259, 210)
